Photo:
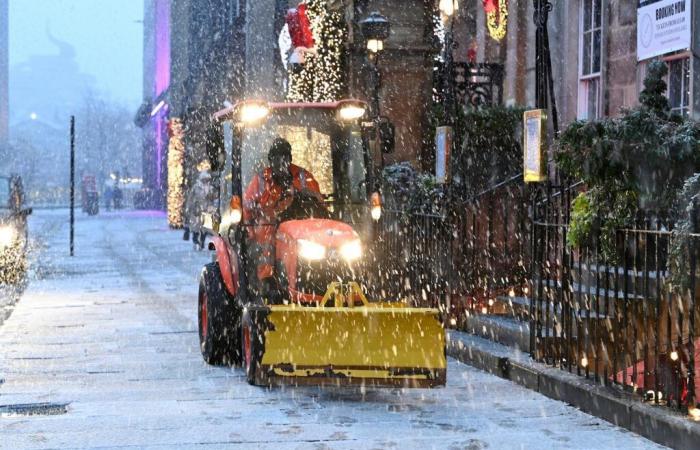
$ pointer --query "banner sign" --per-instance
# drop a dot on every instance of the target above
(534, 135)
(444, 137)
(663, 26)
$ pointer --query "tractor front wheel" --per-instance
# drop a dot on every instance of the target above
(251, 349)
(219, 320)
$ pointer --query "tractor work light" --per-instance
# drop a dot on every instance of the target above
(311, 250)
(351, 251)
(236, 214)
(376, 206)
(349, 110)
(252, 112)
(7, 236)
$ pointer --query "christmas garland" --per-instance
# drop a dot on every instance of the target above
(496, 18)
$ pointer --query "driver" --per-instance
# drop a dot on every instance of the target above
(269, 194)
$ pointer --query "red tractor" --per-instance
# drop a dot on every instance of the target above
(320, 327)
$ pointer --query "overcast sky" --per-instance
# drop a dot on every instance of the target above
(106, 35)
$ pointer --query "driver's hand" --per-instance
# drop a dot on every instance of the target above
(285, 201)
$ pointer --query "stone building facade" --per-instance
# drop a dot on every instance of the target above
(4, 72)
(596, 67)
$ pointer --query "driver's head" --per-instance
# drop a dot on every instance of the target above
(280, 158)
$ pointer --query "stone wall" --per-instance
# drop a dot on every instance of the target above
(621, 81)
(406, 67)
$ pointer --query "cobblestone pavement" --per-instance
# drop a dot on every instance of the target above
(107, 342)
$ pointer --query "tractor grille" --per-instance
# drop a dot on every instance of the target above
(313, 277)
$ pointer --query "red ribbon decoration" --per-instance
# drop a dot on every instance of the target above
(490, 6)
(300, 27)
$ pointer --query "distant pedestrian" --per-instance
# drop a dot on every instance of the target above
(200, 201)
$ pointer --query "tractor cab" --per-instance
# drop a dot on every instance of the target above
(327, 141)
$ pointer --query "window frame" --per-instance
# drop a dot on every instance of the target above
(585, 80)
(687, 57)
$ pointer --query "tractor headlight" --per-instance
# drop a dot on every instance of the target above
(311, 250)
(7, 236)
(351, 251)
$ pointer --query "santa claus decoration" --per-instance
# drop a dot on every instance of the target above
(300, 35)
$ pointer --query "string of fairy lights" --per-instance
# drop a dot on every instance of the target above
(176, 173)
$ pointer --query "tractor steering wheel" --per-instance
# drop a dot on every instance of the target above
(304, 206)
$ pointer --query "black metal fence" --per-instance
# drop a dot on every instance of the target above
(624, 316)
(622, 310)
(462, 259)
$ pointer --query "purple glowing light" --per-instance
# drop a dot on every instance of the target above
(162, 46)
(162, 81)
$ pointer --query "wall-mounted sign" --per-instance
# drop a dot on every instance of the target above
(534, 136)
(444, 137)
(663, 26)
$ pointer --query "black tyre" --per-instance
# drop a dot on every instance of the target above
(219, 320)
(252, 347)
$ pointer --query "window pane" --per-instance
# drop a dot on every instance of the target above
(587, 13)
(597, 14)
(592, 109)
(596, 52)
(586, 54)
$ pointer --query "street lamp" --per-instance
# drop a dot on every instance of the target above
(375, 29)
(448, 9)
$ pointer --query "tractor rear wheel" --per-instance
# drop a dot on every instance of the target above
(219, 320)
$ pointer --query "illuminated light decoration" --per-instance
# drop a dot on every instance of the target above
(322, 77)
(584, 362)
(176, 174)
(448, 7)
(694, 413)
(7, 236)
(496, 18)
(376, 206)
(158, 107)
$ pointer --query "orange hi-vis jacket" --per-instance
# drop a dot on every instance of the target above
(262, 205)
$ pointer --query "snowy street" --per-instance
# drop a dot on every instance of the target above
(112, 334)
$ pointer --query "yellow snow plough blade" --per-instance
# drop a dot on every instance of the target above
(376, 344)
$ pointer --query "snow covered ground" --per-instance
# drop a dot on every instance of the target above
(112, 334)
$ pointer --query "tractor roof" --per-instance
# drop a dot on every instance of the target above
(227, 113)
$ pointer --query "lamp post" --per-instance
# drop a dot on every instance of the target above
(448, 9)
(375, 29)
(544, 85)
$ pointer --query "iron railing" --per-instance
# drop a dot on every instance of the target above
(462, 259)
(614, 315)
(618, 318)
